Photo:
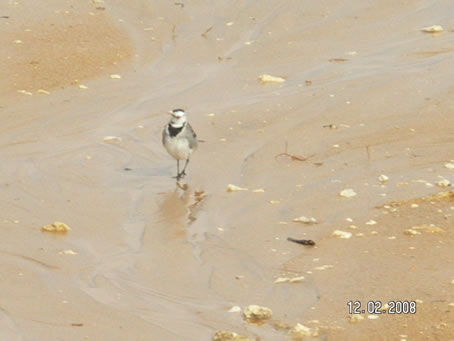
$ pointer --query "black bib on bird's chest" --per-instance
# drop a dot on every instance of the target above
(175, 131)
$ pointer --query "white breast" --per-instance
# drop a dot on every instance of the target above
(178, 148)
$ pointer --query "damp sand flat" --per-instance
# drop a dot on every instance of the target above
(363, 92)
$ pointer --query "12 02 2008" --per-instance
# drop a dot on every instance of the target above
(376, 307)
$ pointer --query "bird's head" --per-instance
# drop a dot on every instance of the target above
(178, 118)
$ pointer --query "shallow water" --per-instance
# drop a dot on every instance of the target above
(154, 260)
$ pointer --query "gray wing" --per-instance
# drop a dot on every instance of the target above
(191, 136)
(164, 132)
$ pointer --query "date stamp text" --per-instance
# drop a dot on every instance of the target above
(376, 307)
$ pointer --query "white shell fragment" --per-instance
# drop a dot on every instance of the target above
(341, 234)
(449, 165)
(115, 76)
(371, 222)
(433, 29)
(233, 188)
(256, 313)
(444, 183)
(289, 280)
(25, 92)
(68, 252)
(356, 318)
(299, 331)
(259, 190)
(411, 232)
(112, 139)
(347, 193)
(270, 79)
(306, 220)
(428, 228)
(383, 178)
(235, 309)
(324, 267)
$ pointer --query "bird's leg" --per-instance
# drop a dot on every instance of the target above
(183, 173)
(178, 171)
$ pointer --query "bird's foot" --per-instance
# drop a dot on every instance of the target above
(180, 175)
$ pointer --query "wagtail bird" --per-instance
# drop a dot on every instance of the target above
(179, 139)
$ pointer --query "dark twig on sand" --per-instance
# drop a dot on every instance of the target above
(307, 242)
(291, 156)
(204, 34)
(174, 35)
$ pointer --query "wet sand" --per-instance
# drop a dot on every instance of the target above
(365, 93)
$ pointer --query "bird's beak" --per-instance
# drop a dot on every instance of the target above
(170, 112)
